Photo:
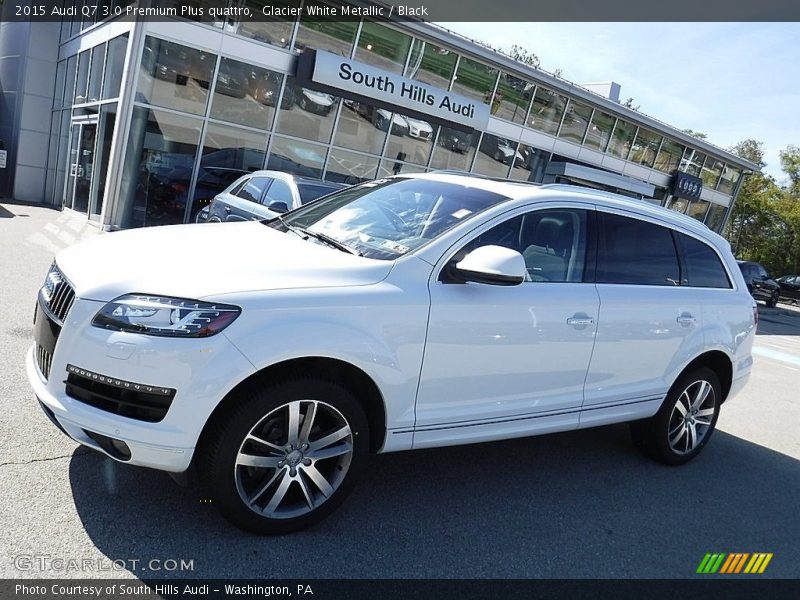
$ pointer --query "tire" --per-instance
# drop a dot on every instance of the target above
(298, 480)
(773, 300)
(667, 436)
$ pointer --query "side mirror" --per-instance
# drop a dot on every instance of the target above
(493, 265)
(278, 207)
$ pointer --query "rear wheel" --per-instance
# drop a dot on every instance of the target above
(684, 423)
(773, 300)
(286, 456)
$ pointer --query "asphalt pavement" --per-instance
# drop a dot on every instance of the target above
(574, 505)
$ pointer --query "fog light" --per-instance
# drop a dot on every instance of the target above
(122, 449)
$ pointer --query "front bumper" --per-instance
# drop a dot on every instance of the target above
(202, 371)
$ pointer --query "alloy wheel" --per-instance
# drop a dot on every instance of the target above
(293, 459)
(691, 417)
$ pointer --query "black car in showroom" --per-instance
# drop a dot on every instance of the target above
(759, 283)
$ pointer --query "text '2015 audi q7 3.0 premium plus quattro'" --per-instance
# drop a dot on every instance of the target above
(403, 313)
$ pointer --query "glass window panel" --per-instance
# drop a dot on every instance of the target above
(307, 113)
(645, 147)
(621, 139)
(228, 153)
(692, 162)
(382, 47)
(115, 62)
(254, 188)
(58, 92)
(678, 204)
(69, 86)
(495, 156)
(412, 143)
(475, 80)
(546, 110)
(576, 120)
(279, 191)
(669, 157)
(108, 120)
(388, 168)
(96, 73)
(245, 94)
(711, 172)
(532, 166)
(175, 76)
(160, 155)
(363, 127)
(715, 216)
(296, 157)
(599, 132)
(727, 182)
(697, 209)
(350, 168)
(277, 31)
(635, 252)
(454, 149)
(703, 264)
(431, 64)
(325, 33)
(82, 77)
(510, 101)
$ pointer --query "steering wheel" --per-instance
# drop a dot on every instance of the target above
(396, 220)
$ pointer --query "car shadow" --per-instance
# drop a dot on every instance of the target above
(579, 504)
(781, 320)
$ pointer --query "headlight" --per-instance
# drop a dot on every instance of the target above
(164, 316)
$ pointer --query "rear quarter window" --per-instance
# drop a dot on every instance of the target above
(703, 266)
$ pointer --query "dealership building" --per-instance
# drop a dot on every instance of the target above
(140, 122)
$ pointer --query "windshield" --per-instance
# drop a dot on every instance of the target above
(388, 218)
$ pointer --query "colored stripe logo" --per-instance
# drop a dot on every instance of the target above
(734, 562)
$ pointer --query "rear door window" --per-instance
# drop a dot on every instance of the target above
(636, 252)
(254, 189)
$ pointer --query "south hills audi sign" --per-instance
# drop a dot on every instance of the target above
(342, 76)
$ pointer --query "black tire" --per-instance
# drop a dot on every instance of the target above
(652, 436)
(261, 409)
(773, 301)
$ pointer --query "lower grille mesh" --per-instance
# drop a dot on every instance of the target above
(44, 360)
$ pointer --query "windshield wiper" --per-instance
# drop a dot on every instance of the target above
(333, 242)
(326, 239)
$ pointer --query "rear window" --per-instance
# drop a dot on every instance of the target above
(704, 268)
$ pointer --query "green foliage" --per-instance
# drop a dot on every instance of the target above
(765, 223)
(698, 134)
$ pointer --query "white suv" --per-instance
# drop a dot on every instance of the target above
(403, 313)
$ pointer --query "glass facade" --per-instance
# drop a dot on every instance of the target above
(201, 119)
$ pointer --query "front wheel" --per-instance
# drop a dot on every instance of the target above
(286, 456)
(684, 423)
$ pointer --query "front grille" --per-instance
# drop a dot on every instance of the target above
(57, 295)
(125, 398)
(44, 360)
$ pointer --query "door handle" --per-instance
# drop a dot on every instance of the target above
(227, 209)
(580, 321)
(686, 319)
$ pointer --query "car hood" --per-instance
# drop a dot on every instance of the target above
(197, 261)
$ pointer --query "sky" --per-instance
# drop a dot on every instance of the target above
(731, 81)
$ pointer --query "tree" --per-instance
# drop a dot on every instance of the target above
(765, 223)
(790, 163)
(749, 149)
(523, 55)
(629, 103)
(699, 135)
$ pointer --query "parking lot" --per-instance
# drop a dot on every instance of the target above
(582, 504)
